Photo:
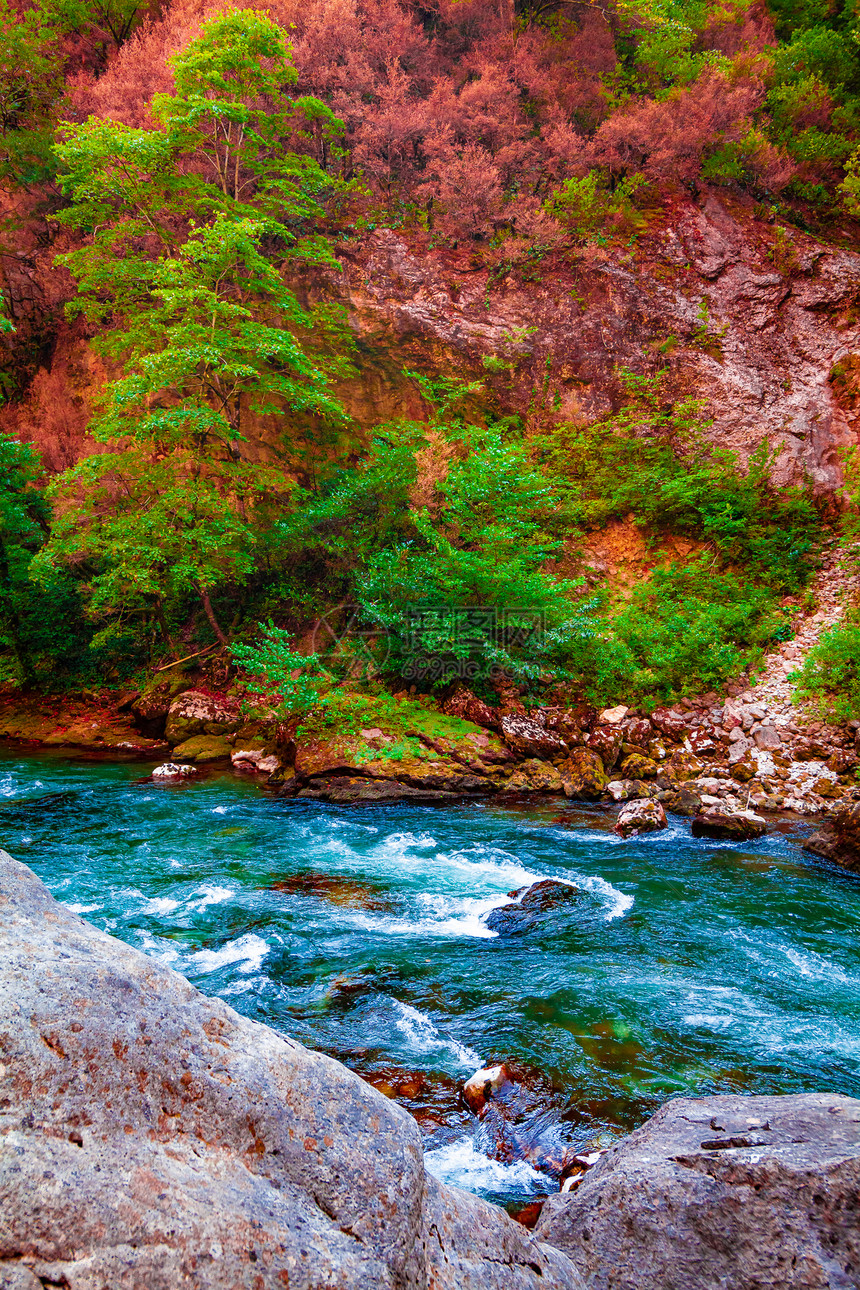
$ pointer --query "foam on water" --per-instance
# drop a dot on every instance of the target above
(423, 1036)
(817, 967)
(617, 902)
(437, 915)
(247, 952)
(75, 908)
(211, 895)
(460, 1164)
(159, 906)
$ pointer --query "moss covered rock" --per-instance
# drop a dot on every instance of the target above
(583, 774)
(202, 748)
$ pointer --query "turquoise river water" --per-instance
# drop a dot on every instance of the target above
(689, 967)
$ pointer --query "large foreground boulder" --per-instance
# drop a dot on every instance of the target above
(722, 1193)
(153, 1139)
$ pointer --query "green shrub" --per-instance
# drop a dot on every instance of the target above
(830, 676)
(651, 460)
(684, 631)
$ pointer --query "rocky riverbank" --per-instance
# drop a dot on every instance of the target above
(152, 1138)
(721, 760)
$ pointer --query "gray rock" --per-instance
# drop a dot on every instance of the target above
(738, 750)
(767, 737)
(722, 1193)
(153, 1139)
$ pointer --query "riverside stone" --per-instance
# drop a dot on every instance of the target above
(534, 776)
(466, 705)
(606, 742)
(767, 737)
(839, 839)
(195, 713)
(153, 1139)
(583, 774)
(721, 1193)
(670, 723)
(683, 801)
(530, 739)
(203, 748)
(611, 716)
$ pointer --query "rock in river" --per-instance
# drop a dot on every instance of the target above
(642, 816)
(722, 1193)
(839, 839)
(153, 1139)
(174, 770)
(531, 906)
(719, 822)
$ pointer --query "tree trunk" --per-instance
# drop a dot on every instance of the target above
(162, 624)
(22, 654)
(210, 614)
(506, 13)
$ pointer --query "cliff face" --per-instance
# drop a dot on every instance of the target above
(761, 325)
(779, 315)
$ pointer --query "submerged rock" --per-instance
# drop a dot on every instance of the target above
(154, 1139)
(531, 905)
(839, 839)
(720, 822)
(721, 1193)
(642, 816)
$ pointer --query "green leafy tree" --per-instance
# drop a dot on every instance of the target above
(31, 81)
(185, 270)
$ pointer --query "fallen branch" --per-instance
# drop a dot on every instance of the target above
(188, 657)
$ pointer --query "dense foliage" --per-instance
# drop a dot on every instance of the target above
(195, 159)
(830, 676)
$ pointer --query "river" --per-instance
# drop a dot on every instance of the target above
(689, 967)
